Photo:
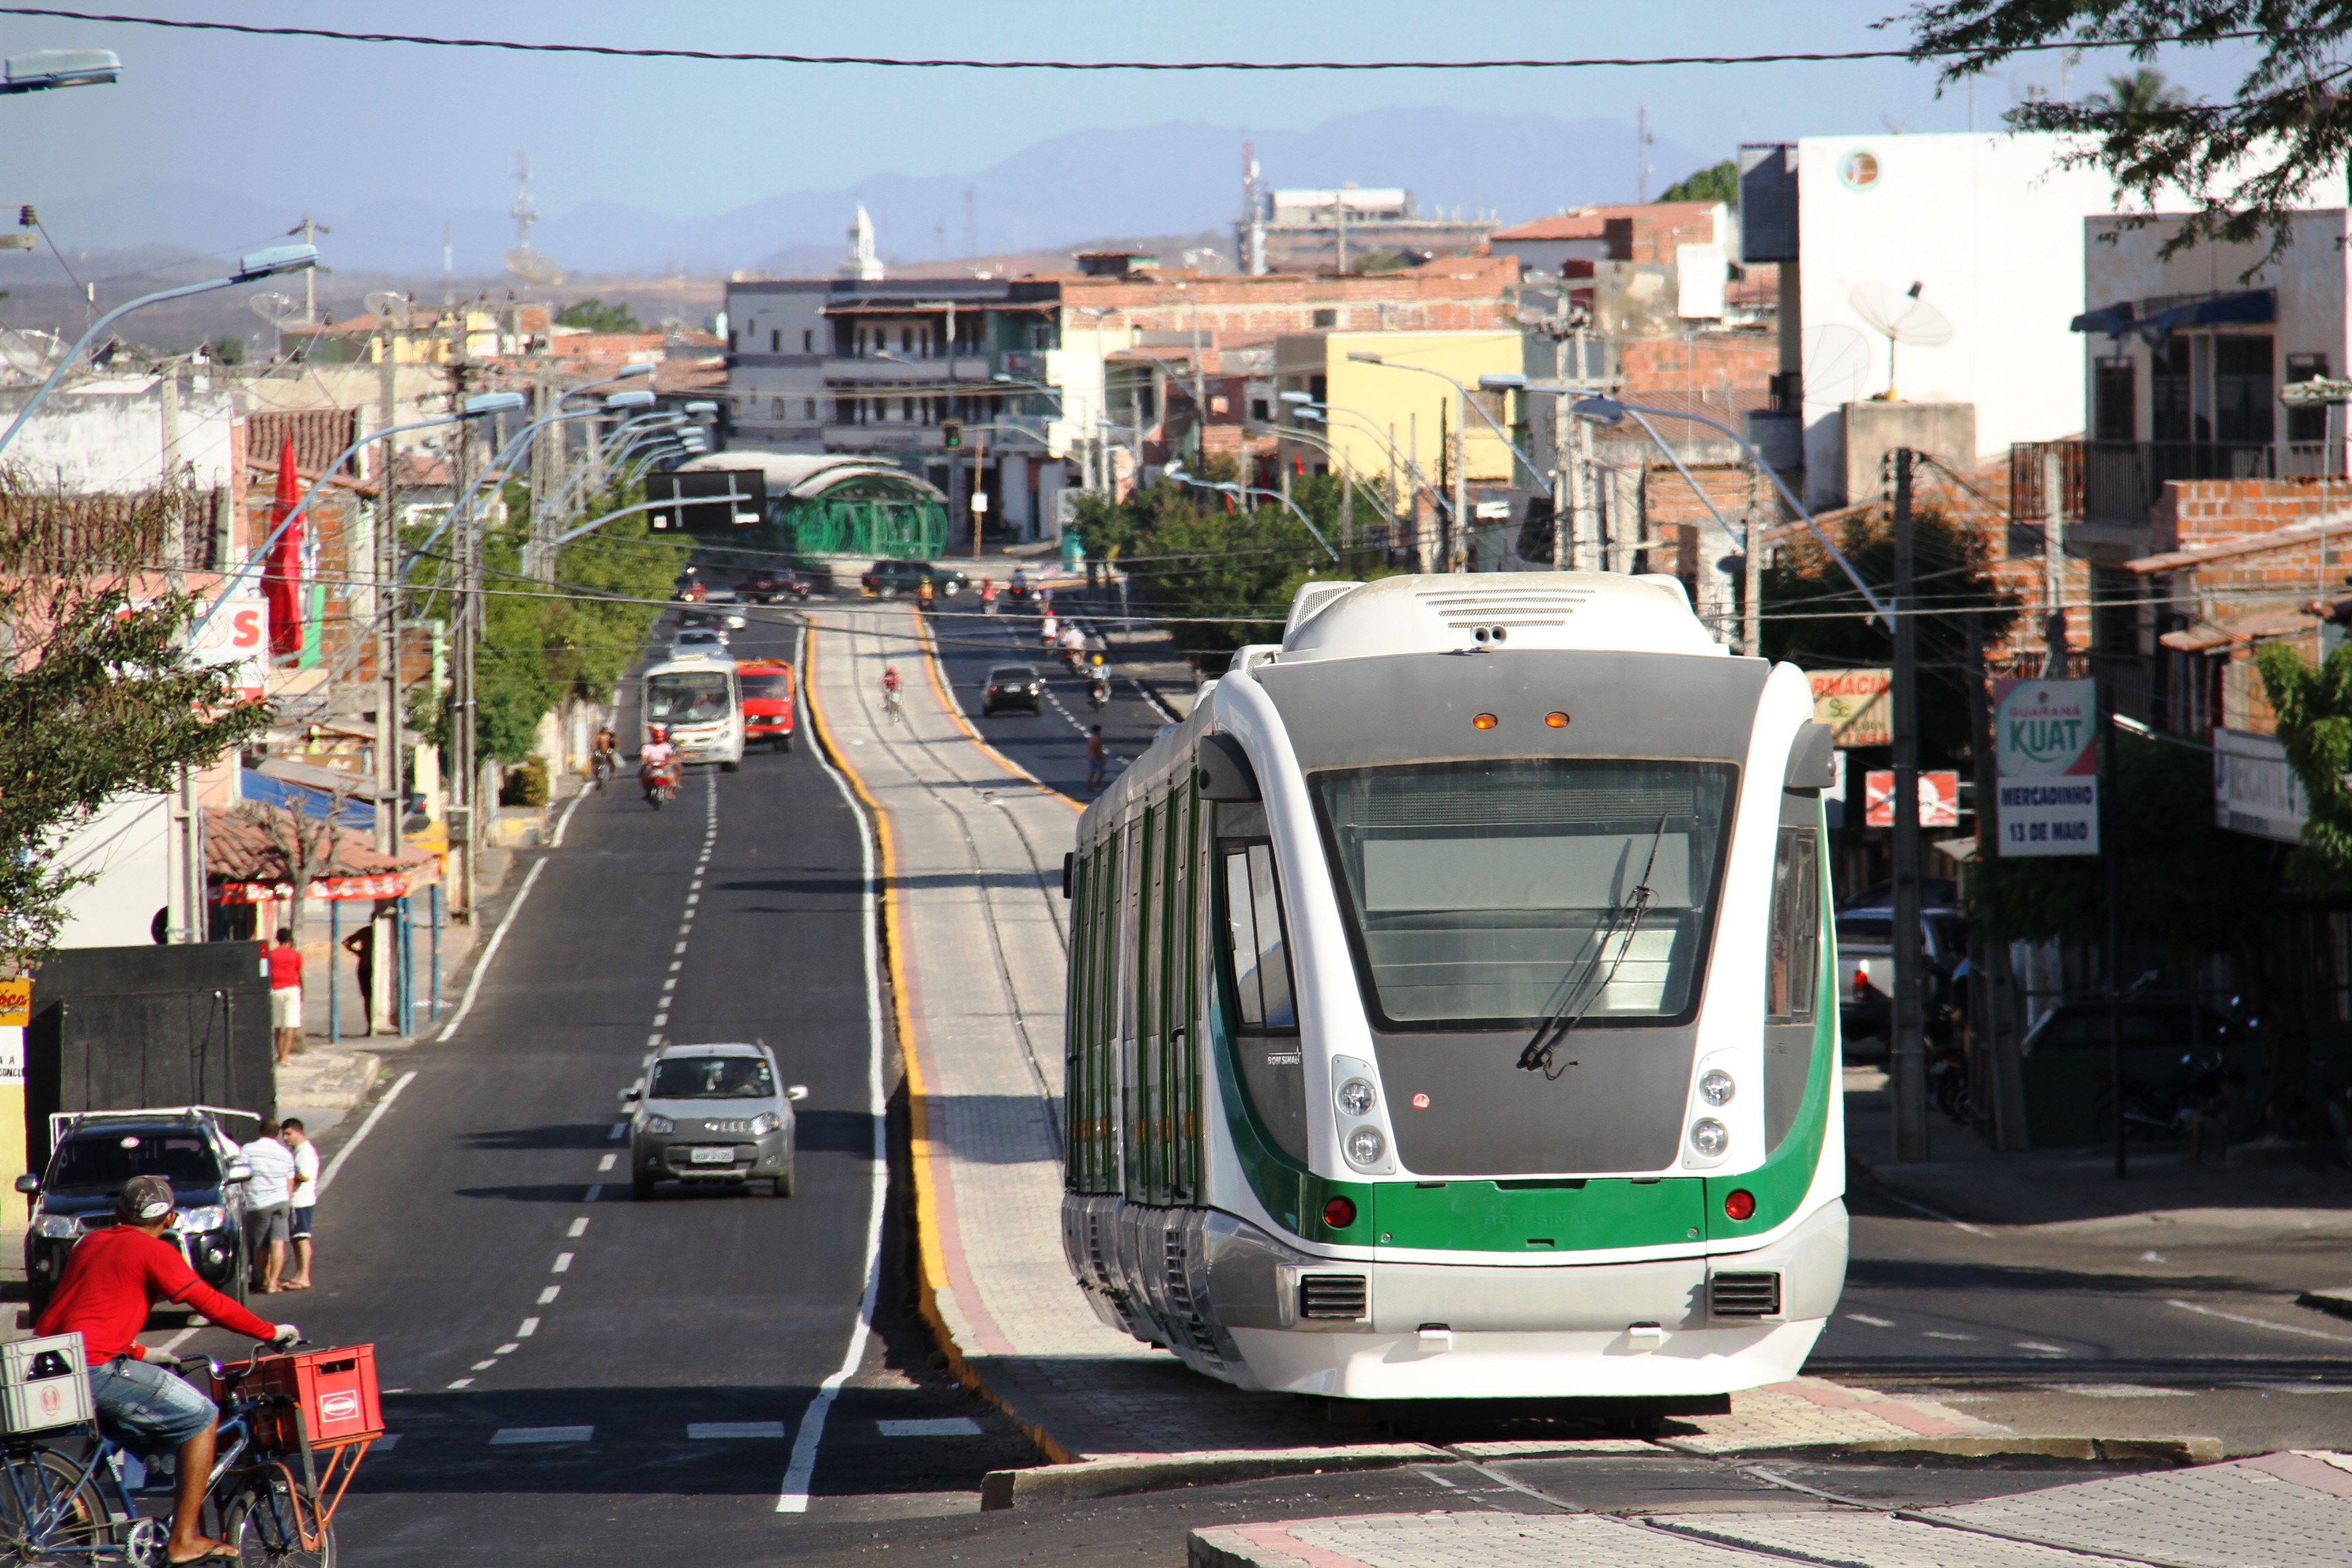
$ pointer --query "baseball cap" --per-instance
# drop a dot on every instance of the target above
(145, 1200)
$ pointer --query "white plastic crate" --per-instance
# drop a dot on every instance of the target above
(44, 1384)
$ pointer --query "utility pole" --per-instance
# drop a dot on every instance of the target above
(391, 793)
(1339, 219)
(1642, 143)
(2054, 566)
(186, 923)
(1909, 1056)
(1752, 570)
(464, 784)
(2111, 850)
(1446, 483)
(1455, 557)
(309, 230)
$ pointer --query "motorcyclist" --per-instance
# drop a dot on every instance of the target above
(657, 761)
(1074, 643)
(926, 597)
(111, 1280)
(1097, 681)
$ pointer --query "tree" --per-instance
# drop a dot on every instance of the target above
(308, 845)
(2242, 163)
(1717, 183)
(98, 694)
(596, 316)
(2315, 725)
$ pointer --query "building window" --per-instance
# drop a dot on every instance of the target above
(1327, 319)
(775, 340)
(775, 409)
(1258, 410)
(2242, 395)
(811, 413)
(1318, 388)
(808, 341)
(2167, 389)
(2307, 426)
(2114, 391)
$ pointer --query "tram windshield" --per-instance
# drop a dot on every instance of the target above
(688, 697)
(1496, 894)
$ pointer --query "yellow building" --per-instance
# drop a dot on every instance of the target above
(1391, 415)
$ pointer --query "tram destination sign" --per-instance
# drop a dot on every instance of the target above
(2046, 748)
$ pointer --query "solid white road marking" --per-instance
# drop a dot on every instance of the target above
(482, 964)
(562, 1264)
(509, 1435)
(579, 1228)
(608, 1161)
(802, 1471)
(2260, 1322)
(564, 821)
(1931, 1213)
(721, 1431)
(931, 1426)
(327, 1176)
(2037, 1346)
(546, 1297)
(530, 1327)
(2118, 1391)
(1866, 1317)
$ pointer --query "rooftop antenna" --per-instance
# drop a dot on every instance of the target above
(1904, 318)
(523, 261)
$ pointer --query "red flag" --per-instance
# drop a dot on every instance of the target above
(281, 582)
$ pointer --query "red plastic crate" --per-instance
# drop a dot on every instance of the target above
(334, 1390)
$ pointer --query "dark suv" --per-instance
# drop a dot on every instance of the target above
(97, 1154)
(1013, 685)
(890, 578)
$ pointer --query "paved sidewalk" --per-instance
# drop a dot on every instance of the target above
(2283, 1511)
(977, 942)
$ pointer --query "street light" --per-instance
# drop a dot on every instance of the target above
(46, 68)
(1606, 411)
(626, 373)
(1176, 471)
(273, 262)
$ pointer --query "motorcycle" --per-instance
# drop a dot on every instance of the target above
(660, 783)
(1098, 692)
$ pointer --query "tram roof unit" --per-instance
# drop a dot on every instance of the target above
(1591, 612)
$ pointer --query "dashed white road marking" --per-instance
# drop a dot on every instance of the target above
(723, 1431)
(390, 1440)
(579, 1228)
(508, 1349)
(931, 1426)
(530, 1327)
(2040, 1349)
(1940, 1334)
(512, 1435)
(463, 1383)
(608, 1161)
(593, 1194)
(1866, 1317)
(546, 1297)
(562, 1264)
(621, 1128)
(484, 1365)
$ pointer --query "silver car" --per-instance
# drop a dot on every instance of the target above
(711, 1113)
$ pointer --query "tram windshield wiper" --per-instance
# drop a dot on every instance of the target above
(1579, 994)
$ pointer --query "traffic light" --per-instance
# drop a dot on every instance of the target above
(951, 433)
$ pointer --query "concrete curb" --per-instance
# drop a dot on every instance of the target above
(1981, 1446)
(1120, 1474)
(2336, 1302)
(930, 1270)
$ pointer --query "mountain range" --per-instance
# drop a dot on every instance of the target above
(1160, 179)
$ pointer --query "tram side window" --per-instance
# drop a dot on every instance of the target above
(1796, 951)
(1261, 955)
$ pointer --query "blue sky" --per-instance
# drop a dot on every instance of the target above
(327, 124)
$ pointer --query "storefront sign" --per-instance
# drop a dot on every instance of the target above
(2255, 789)
(1856, 705)
(237, 639)
(1939, 798)
(2046, 746)
(15, 1012)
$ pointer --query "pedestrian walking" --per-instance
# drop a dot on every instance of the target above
(267, 1201)
(360, 945)
(286, 994)
(1097, 761)
(302, 1200)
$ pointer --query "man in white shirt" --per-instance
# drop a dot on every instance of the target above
(267, 1196)
(303, 1199)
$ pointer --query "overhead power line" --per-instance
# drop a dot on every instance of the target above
(757, 57)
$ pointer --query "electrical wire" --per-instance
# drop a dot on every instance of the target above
(1808, 56)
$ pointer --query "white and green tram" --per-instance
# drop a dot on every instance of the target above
(1450, 1011)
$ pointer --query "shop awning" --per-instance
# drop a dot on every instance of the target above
(2252, 307)
(245, 865)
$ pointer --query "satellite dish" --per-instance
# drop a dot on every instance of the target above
(27, 353)
(533, 267)
(1904, 318)
(389, 308)
(1836, 359)
(273, 308)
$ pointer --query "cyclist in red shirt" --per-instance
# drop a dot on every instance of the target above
(112, 1277)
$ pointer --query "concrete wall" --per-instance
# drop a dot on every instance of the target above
(1993, 231)
(108, 436)
(126, 846)
(1871, 430)
(1371, 400)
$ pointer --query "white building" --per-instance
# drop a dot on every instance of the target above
(1987, 229)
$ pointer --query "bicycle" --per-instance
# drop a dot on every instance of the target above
(894, 704)
(601, 766)
(56, 1507)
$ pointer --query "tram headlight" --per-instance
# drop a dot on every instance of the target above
(1357, 1097)
(1714, 1086)
(1709, 1138)
(1365, 1147)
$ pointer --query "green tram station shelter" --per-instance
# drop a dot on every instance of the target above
(804, 507)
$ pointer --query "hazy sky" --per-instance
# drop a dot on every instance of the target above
(325, 125)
